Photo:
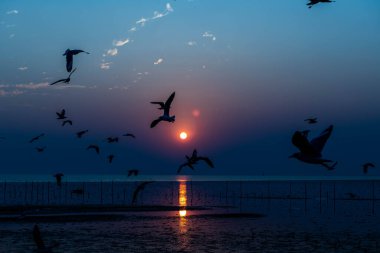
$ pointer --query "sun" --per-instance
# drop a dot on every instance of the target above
(183, 135)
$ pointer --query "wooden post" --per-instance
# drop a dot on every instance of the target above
(112, 191)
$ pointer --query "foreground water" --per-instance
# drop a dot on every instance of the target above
(194, 215)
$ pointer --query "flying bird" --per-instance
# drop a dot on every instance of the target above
(81, 133)
(65, 80)
(194, 159)
(95, 147)
(36, 138)
(67, 122)
(112, 139)
(138, 189)
(133, 173)
(366, 166)
(311, 120)
(166, 116)
(110, 158)
(61, 115)
(311, 151)
(40, 149)
(58, 178)
(313, 2)
(69, 57)
(129, 135)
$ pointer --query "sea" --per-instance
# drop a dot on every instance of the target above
(171, 213)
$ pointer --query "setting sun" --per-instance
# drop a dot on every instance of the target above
(183, 135)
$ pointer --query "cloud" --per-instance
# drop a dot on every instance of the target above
(133, 29)
(112, 52)
(158, 61)
(157, 15)
(209, 35)
(23, 68)
(142, 21)
(192, 43)
(105, 65)
(119, 43)
(169, 7)
(12, 12)
(10, 93)
(17, 89)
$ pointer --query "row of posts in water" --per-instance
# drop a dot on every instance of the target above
(228, 194)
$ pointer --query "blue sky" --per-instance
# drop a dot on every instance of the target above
(254, 70)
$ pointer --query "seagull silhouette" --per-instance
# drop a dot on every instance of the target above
(61, 115)
(67, 122)
(311, 152)
(36, 138)
(166, 116)
(313, 2)
(69, 57)
(110, 158)
(65, 80)
(311, 120)
(112, 139)
(40, 149)
(41, 248)
(95, 147)
(133, 173)
(81, 133)
(138, 189)
(194, 160)
(129, 135)
(366, 166)
(58, 178)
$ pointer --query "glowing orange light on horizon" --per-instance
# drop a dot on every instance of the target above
(182, 213)
(183, 135)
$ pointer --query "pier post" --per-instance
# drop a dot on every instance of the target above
(101, 192)
(5, 190)
(112, 191)
(320, 197)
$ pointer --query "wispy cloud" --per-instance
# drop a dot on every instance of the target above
(112, 52)
(133, 29)
(119, 43)
(23, 68)
(209, 35)
(142, 21)
(18, 89)
(157, 15)
(192, 43)
(12, 12)
(169, 7)
(105, 65)
(158, 61)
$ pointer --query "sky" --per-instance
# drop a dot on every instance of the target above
(246, 75)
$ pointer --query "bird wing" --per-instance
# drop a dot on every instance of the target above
(159, 103)
(71, 73)
(155, 122)
(69, 62)
(301, 142)
(139, 188)
(37, 238)
(195, 154)
(60, 80)
(77, 51)
(207, 160)
(319, 142)
(168, 103)
(180, 167)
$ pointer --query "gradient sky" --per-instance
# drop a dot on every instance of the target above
(254, 70)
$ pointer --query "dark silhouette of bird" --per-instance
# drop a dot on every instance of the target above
(58, 178)
(36, 138)
(311, 120)
(61, 115)
(67, 122)
(166, 116)
(95, 147)
(313, 2)
(366, 166)
(78, 191)
(161, 104)
(112, 139)
(69, 57)
(311, 152)
(194, 159)
(81, 133)
(41, 248)
(129, 135)
(40, 149)
(65, 80)
(138, 189)
(133, 173)
(110, 158)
